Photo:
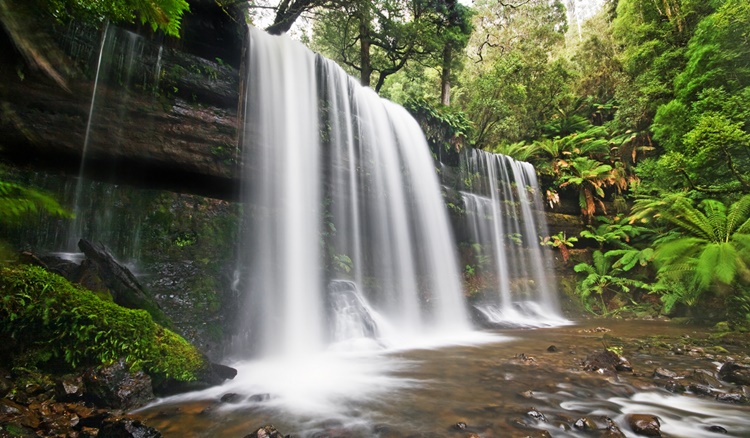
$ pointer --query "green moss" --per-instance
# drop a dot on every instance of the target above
(53, 321)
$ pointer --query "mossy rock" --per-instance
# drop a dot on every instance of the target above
(53, 323)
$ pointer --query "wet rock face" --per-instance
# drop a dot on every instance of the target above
(182, 136)
(116, 387)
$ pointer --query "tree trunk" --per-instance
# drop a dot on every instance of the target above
(364, 50)
(445, 78)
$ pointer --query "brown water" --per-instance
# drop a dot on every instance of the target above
(490, 387)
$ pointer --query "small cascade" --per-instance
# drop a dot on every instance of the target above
(340, 184)
(353, 318)
(121, 74)
(505, 219)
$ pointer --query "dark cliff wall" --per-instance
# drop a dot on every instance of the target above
(171, 123)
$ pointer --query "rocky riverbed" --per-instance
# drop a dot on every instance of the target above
(597, 378)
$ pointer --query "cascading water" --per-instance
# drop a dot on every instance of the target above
(340, 184)
(505, 217)
(119, 71)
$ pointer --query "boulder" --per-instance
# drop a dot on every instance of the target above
(70, 387)
(735, 373)
(606, 360)
(230, 397)
(731, 398)
(126, 428)
(213, 375)
(114, 386)
(644, 424)
(700, 389)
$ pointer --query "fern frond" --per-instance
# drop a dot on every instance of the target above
(739, 215)
(684, 215)
(677, 251)
(716, 214)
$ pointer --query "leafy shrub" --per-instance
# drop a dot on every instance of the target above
(52, 320)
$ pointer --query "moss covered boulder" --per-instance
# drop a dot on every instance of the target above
(51, 324)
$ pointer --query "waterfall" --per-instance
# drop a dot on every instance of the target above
(339, 185)
(115, 79)
(505, 219)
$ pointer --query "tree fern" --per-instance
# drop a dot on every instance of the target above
(738, 218)
(712, 250)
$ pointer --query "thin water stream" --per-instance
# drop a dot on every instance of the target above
(484, 383)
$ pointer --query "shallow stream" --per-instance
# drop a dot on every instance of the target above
(489, 383)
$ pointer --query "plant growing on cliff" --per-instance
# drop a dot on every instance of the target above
(164, 15)
(52, 322)
(443, 126)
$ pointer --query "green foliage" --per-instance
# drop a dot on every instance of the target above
(342, 263)
(603, 278)
(704, 127)
(442, 125)
(562, 242)
(588, 177)
(714, 247)
(520, 151)
(164, 15)
(380, 38)
(514, 87)
(613, 233)
(53, 321)
(18, 202)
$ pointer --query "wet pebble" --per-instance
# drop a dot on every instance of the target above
(265, 432)
(259, 397)
(536, 415)
(664, 373)
(584, 423)
(717, 429)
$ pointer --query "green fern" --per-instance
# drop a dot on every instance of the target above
(17, 202)
(711, 252)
